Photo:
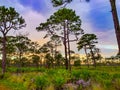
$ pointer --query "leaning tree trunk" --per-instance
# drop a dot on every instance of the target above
(4, 54)
(116, 22)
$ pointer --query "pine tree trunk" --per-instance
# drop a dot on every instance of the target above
(68, 42)
(118, 40)
(86, 56)
(55, 53)
(65, 46)
(116, 22)
(20, 60)
(4, 55)
(93, 58)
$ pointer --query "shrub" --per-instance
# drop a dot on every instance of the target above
(29, 84)
(41, 82)
(75, 74)
(58, 77)
(104, 78)
(85, 75)
(58, 81)
(64, 73)
(116, 75)
(77, 63)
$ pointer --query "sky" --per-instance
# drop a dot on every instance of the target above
(96, 18)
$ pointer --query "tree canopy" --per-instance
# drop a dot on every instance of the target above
(9, 20)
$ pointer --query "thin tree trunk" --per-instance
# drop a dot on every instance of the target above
(19, 63)
(56, 54)
(4, 55)
(68, 42)
(65, 46)
(55, 50)
(52, 56)
(20, 59)
(93, 58)
(86, 56)
(116, 22)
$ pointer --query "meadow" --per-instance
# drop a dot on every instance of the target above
(32, 78)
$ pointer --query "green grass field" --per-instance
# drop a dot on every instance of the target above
(102, 78)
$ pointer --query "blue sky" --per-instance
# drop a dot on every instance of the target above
(37, 5)
(95, 15)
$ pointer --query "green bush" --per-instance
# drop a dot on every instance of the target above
(58, 81)
(58, 77)
(104, 78)
(76, 74)
(81, 74)
(116, 75)
(85, 74)
(50, 72)
(105, 75)
(77, 63)
(41, 82)
(64, 73)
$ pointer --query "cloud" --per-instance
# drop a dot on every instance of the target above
(81, 8)
(107, 42)
(32, 18)
(37, 5)
(107, 37)
(90, 14)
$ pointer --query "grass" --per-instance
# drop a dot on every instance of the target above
(102, 78)
(12, 86)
